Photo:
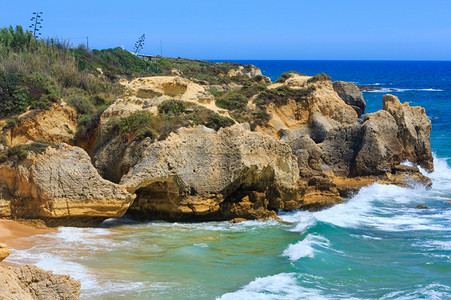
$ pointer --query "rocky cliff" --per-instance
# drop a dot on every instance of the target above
(33, 283)
(199, 174)
(58, 184)
(175, 145)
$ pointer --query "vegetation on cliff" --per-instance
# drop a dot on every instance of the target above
(172, 115)
(36, 73)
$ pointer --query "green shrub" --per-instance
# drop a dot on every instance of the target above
(11, 123)
(88, 123)
(287, 75)
(144, 133)
(13, 95)
(17, 39)
(172, 107)
(20, 152)
(99, 100)
(3, 140)
(81, 104)
(282, 95)
(137, 126)
(232, 101)
(217, 121)
(17, 92)
(318, 77)
(135, 121)
(215, 93)
(253, 117)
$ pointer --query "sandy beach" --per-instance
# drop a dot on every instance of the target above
(12, 234)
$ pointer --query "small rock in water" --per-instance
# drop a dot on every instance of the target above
(4, 251)
(419, 206)
(237, 220)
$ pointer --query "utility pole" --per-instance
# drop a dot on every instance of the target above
(36, 22)
(87, 43)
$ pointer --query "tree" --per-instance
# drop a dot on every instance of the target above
(139, 43)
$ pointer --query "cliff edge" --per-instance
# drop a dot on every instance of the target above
(233, 146)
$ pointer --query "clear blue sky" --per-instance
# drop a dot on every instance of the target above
(251, 29)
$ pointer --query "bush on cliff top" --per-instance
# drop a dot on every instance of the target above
(319, 77)
(232, 101)
(17, 92)
(172, 107)
(36, 73)
(20, 152)
(280, 96)
(142, 124)
(287, 75)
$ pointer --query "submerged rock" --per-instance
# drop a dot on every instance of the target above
(419, 206)
(31, 282)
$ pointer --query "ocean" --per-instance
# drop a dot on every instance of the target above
(376, 245)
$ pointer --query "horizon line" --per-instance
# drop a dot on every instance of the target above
(356, 60)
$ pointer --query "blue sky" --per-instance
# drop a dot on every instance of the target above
(251, 29)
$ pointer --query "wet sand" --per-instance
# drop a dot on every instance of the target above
(13, 233)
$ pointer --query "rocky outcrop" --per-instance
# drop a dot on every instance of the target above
(60, 186)
(200, 174)
(147, 92)
(4, 251)
(414, 128)
(141, 94)
(380, 149)
(351, 95)
(248, 70)
(334, 150)
(32, 283)
(313, 110)
(57, 124)
(310, 149)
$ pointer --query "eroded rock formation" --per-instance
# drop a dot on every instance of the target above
(58, 124)
(202, 174)
(4, 251)
(334, 150)
(59, 186)
(351, 95)
(32, 283)
(414, 129)
(311, 151)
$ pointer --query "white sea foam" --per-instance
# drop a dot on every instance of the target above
(392, 208)
(302, 219)
(371, 84)
(365, 237)
(407, 163)
(431, 292)
(280, 286)
(305, 248)
(217, 226)
(398, 90)
(435, 245)
(57, 251)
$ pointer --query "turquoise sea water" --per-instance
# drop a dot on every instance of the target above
(376, 245)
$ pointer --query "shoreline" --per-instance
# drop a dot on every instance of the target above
(12, 233)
